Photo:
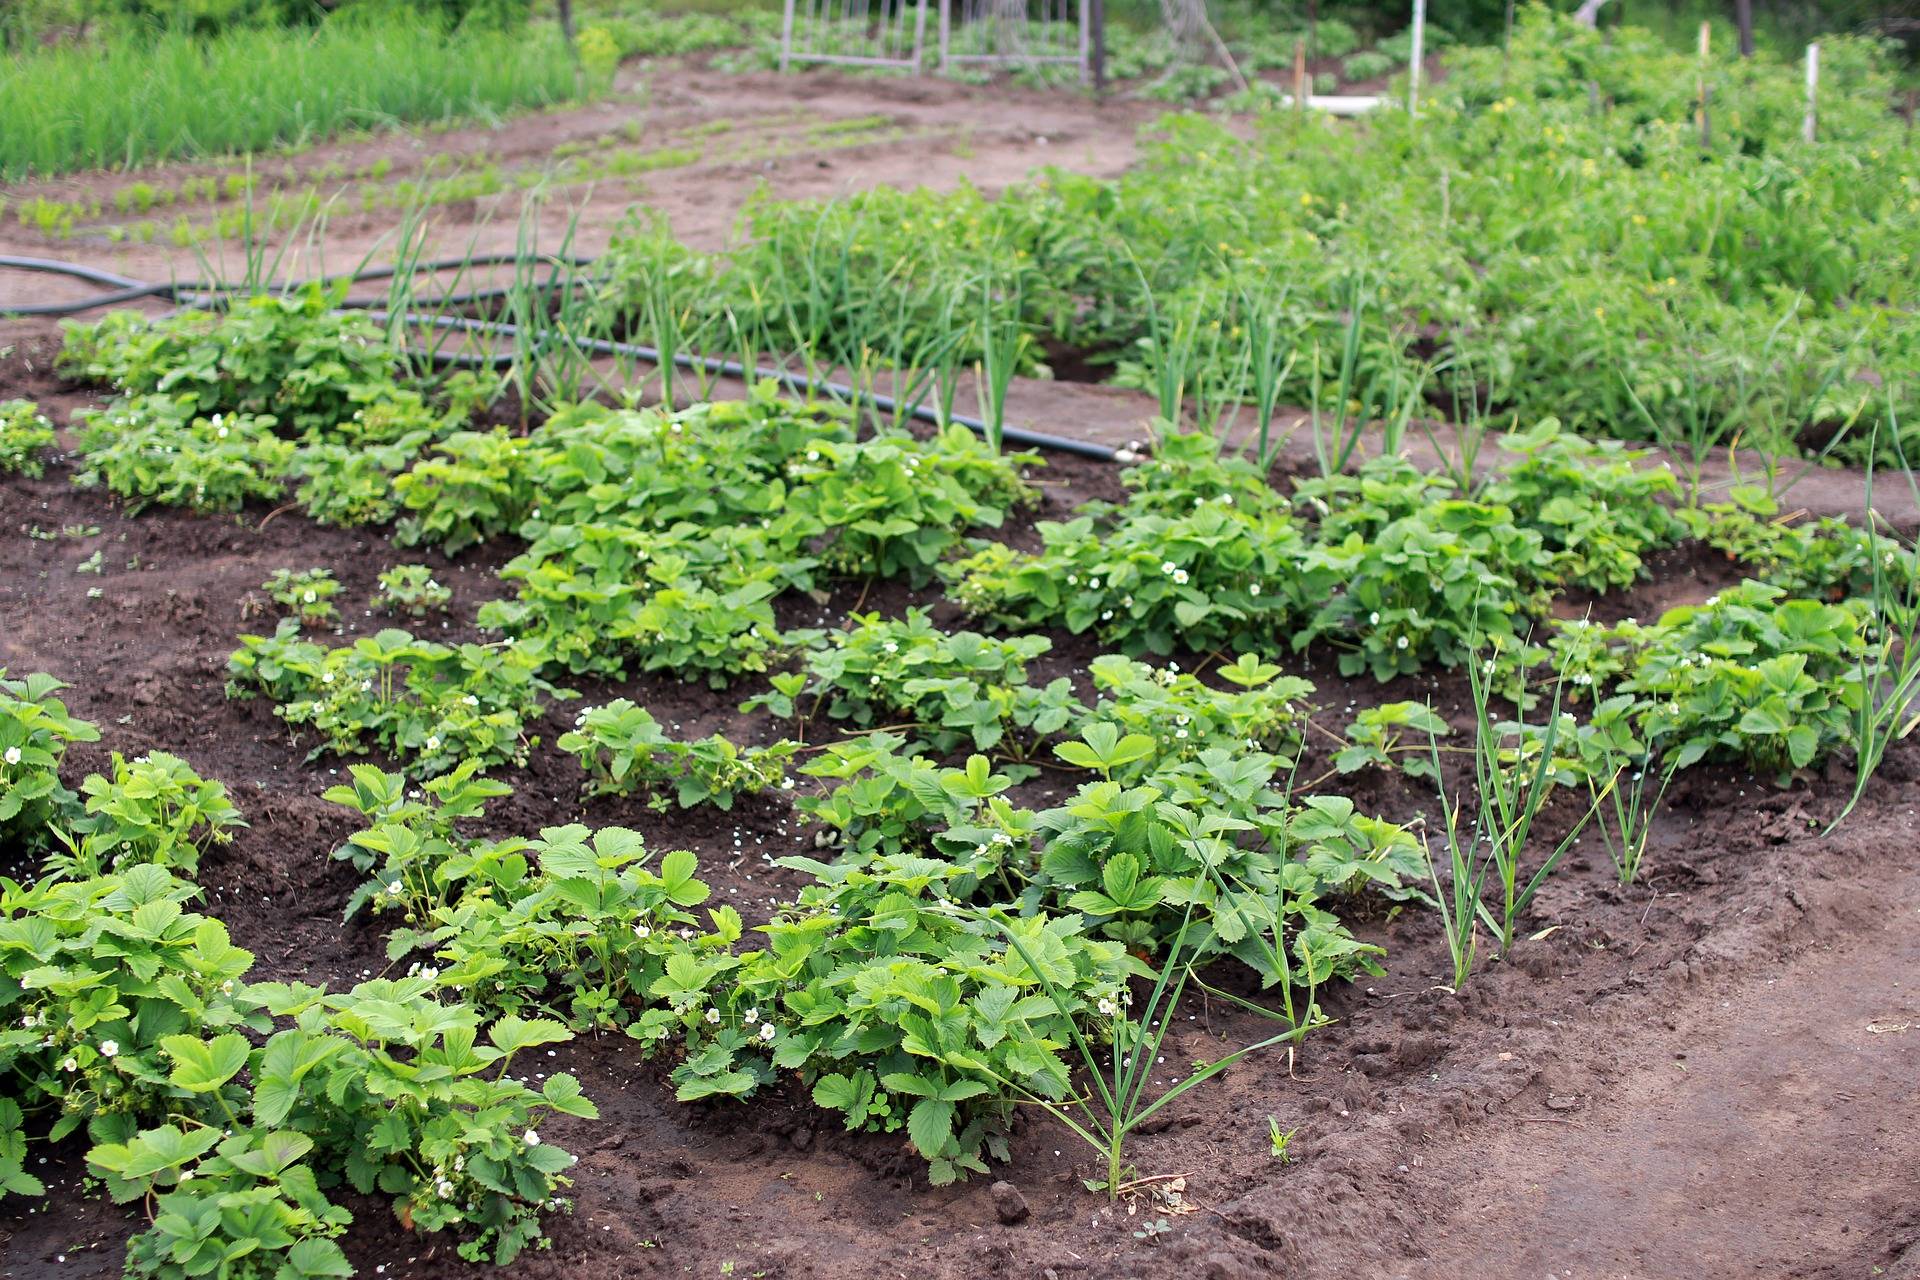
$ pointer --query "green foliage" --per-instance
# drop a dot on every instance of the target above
(1379, 737)
(158, 449)
(482, 485)
(152, 810)
(953, 688)
(25, 434)
(663, 536)
(1527, 254)
(688, 600)
(413, 590)
(1749, 676)
(304, 594)
(131, 97)
(1202, 557)
(623, 749)
(896, 1008)
(1597, 513)
(1200, 853)
(1426, 588)
(35, 729)
(1826, 558)
(288, 357)
(893, 506)
(1264, 711)
(430, 704)
(100, 974)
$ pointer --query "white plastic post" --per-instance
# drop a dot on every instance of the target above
(1419, 49)
(1808, 126)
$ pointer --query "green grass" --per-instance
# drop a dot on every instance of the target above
(134, 100)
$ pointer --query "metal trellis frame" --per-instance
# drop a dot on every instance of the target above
(860, 33)
(1016, 33)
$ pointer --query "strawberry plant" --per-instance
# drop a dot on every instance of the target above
(1263, 711)
(482, 484)
(623, 750)
(100, 974)
(1190, 561)
(291, 357)
(892, 506)
(350, 485)
(160, 449)
(687, 600)
(888, 802)
(1596, 511)
(1426, 588)
(951, 688)
(1378, 737)
(712, 464)
(1748, 676)
(430, 704)
(25, 434)
(304, 594)
(1169, 858)
(35, 729)
(155, 809)
(896, 1007)
(586, 936)
(413, 590)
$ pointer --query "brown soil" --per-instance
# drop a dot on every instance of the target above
(1707, 1074)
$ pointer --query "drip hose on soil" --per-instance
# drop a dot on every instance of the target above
(212, 293)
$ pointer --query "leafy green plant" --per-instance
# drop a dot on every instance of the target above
(434, 705)
(413, 590)
(1182, 716)
(304, 594)
(1377, 738)
(25, 435)
(159, 449)
(1202, 556)
(952, 688)
(1426, 588)
(892, 506)
(897, 1007)
(118, 966)
(623, 749)
(1120, 1103)
(35, 729)
(481, 485)
(155, 809)
(689, 600)
(1749, 676)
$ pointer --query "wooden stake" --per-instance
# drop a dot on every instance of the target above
(1300, 75)
(1700, 110)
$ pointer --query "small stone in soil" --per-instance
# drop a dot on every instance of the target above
(1008, 1203)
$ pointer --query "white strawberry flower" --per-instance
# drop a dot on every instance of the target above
(531, 1137)
(13, 755)
(767, 1031)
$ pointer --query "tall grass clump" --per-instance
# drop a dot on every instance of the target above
(133, 99)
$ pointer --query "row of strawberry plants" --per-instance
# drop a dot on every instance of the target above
(237, 1111)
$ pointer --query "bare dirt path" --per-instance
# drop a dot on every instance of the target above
(1774, 1135)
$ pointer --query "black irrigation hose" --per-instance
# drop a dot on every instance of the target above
(124, 289)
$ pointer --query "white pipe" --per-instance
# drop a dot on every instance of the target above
(1419, 49)
(1807, 127)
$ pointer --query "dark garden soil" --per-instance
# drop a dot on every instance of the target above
(1710, 1073)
